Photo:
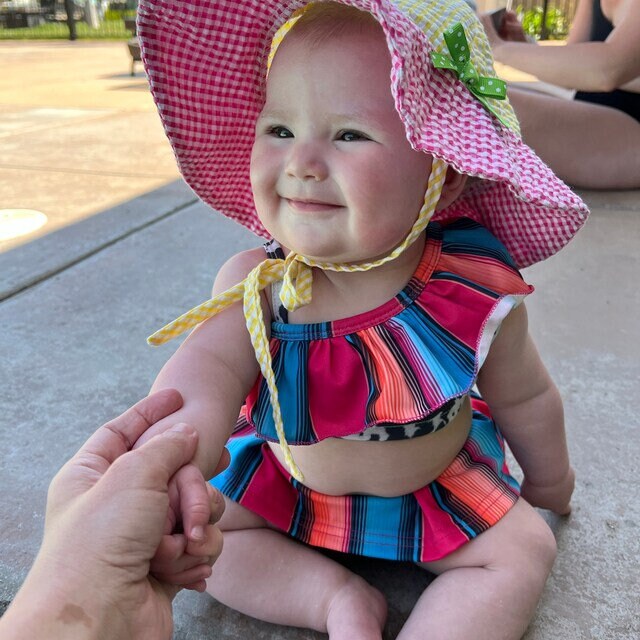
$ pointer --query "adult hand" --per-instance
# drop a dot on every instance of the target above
(107, 510)
(492, 35)
(510, 30)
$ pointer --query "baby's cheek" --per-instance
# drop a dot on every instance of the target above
(260, 154)
(254, 167)
(381, 238)
(264, 170)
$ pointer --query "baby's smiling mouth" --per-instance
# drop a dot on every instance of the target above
(309, 205)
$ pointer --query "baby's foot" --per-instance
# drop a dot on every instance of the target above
(357, 611)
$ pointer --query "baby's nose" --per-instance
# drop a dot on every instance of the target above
(305, 162)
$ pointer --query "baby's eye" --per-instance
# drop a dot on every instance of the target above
(279, 131)
(351, 136)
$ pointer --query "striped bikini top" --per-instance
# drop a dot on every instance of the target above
(402, 369)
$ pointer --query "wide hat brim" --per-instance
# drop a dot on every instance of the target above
(206, 61)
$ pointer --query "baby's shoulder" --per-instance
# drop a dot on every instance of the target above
(237, 268)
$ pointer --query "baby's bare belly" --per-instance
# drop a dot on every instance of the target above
(339, 467)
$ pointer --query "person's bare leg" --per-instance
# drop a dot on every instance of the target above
(587, 145)
(268, 576)
(489, 588)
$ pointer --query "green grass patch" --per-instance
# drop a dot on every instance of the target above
(108, 30)
(557, 22)
(110, 14)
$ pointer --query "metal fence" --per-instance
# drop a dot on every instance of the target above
(44, 19)
(66, 19)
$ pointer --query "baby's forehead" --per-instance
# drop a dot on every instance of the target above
(304, 47)
(346, 73)
(328, 24)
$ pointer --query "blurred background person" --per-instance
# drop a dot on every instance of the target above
(593, 140)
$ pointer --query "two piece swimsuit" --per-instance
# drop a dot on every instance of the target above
(399, 371)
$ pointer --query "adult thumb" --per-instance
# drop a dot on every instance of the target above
(157, 460)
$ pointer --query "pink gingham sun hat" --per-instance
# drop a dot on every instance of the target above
(207, 65)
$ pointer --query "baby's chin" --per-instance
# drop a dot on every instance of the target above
(316, 250)
(328, 250)
(322, 249)
(345, 257)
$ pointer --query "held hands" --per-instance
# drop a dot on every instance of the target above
(189, 539)
(106, 511)
(555, 497)
(189, 543)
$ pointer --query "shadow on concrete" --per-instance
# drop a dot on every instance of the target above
(46, 256)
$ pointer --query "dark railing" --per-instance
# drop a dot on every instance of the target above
(33, 19)
(42, 19)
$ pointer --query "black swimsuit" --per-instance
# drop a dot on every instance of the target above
(626, 101)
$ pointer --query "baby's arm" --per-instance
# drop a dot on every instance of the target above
(213, 370)
(526, 405)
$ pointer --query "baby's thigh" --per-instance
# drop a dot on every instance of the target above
(237, 517)
(520, 539)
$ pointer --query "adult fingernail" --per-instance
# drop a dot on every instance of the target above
(182, 427)
(197, 533)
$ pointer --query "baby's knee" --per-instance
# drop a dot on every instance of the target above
(538, 548)
(548, 546)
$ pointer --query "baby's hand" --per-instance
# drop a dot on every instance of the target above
(185, 559)
(555, 497)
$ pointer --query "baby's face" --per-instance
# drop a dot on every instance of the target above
(333, 174)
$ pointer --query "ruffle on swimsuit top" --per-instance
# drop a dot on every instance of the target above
(402, 361)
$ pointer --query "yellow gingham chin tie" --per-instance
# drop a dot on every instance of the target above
(296, 276)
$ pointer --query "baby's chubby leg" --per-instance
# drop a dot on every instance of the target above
(489, 588)
(264, 574)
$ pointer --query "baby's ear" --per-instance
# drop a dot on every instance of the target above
(452, 188)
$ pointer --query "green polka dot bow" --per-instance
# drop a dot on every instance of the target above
(459, 62)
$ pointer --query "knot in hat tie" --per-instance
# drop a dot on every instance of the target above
(459, 61)
(295, 272)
